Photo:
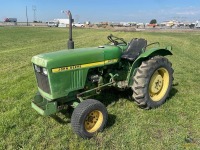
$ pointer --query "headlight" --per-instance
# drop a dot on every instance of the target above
(44, 70)
(37, 68)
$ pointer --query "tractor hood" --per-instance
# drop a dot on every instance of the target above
(80, 56)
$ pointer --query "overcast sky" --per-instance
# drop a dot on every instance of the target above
(103, 10)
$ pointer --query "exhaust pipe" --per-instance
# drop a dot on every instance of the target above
(70, 41)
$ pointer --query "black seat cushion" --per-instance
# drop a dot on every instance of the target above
(134, 49)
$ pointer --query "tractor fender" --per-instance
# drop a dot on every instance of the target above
(144, 56)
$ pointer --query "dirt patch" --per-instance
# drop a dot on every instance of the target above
(124, 29)
(109, 27)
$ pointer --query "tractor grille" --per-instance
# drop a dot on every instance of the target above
(43, 82)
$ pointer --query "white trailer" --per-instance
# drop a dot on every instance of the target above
(63, 21)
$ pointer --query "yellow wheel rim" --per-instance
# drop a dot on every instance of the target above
(159, 83)
(93, 121)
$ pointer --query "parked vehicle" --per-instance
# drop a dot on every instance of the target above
(78, 25)
(53, 24)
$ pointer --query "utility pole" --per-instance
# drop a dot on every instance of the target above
(26, 16)
(34, 13)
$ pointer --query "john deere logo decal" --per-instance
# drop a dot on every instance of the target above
(55, 70)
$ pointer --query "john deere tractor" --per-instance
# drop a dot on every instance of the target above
(68, 78)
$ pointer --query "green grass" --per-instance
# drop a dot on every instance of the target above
(174, 125)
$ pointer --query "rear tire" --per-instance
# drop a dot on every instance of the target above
(88, 118)
(152, 82)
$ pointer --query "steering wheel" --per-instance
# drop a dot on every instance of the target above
(115, 40)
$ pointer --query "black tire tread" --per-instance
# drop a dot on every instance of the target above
(79, 112)
(140, 81)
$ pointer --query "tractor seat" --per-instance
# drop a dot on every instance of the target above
(134, 49)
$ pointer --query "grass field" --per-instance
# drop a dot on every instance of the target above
(174, 125)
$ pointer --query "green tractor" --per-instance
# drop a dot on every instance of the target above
(68, 78)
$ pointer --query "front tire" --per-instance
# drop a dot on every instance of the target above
(88, 118)
(152, 82)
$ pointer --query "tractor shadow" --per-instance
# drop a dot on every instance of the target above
(112, 95)
(107, 97)
(66, 118)
(63, 117)
(172, 93)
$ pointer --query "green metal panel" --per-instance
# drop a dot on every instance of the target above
(67, 69)
(64, 82)
(78, 78)
(68, 57)
(42, 106)
(75, 56)
(112, 52)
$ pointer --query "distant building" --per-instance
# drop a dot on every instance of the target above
(125, 24)
(171, 23)
(141, 25)
(167, 23)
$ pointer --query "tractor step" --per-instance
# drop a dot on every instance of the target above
(43, 106)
